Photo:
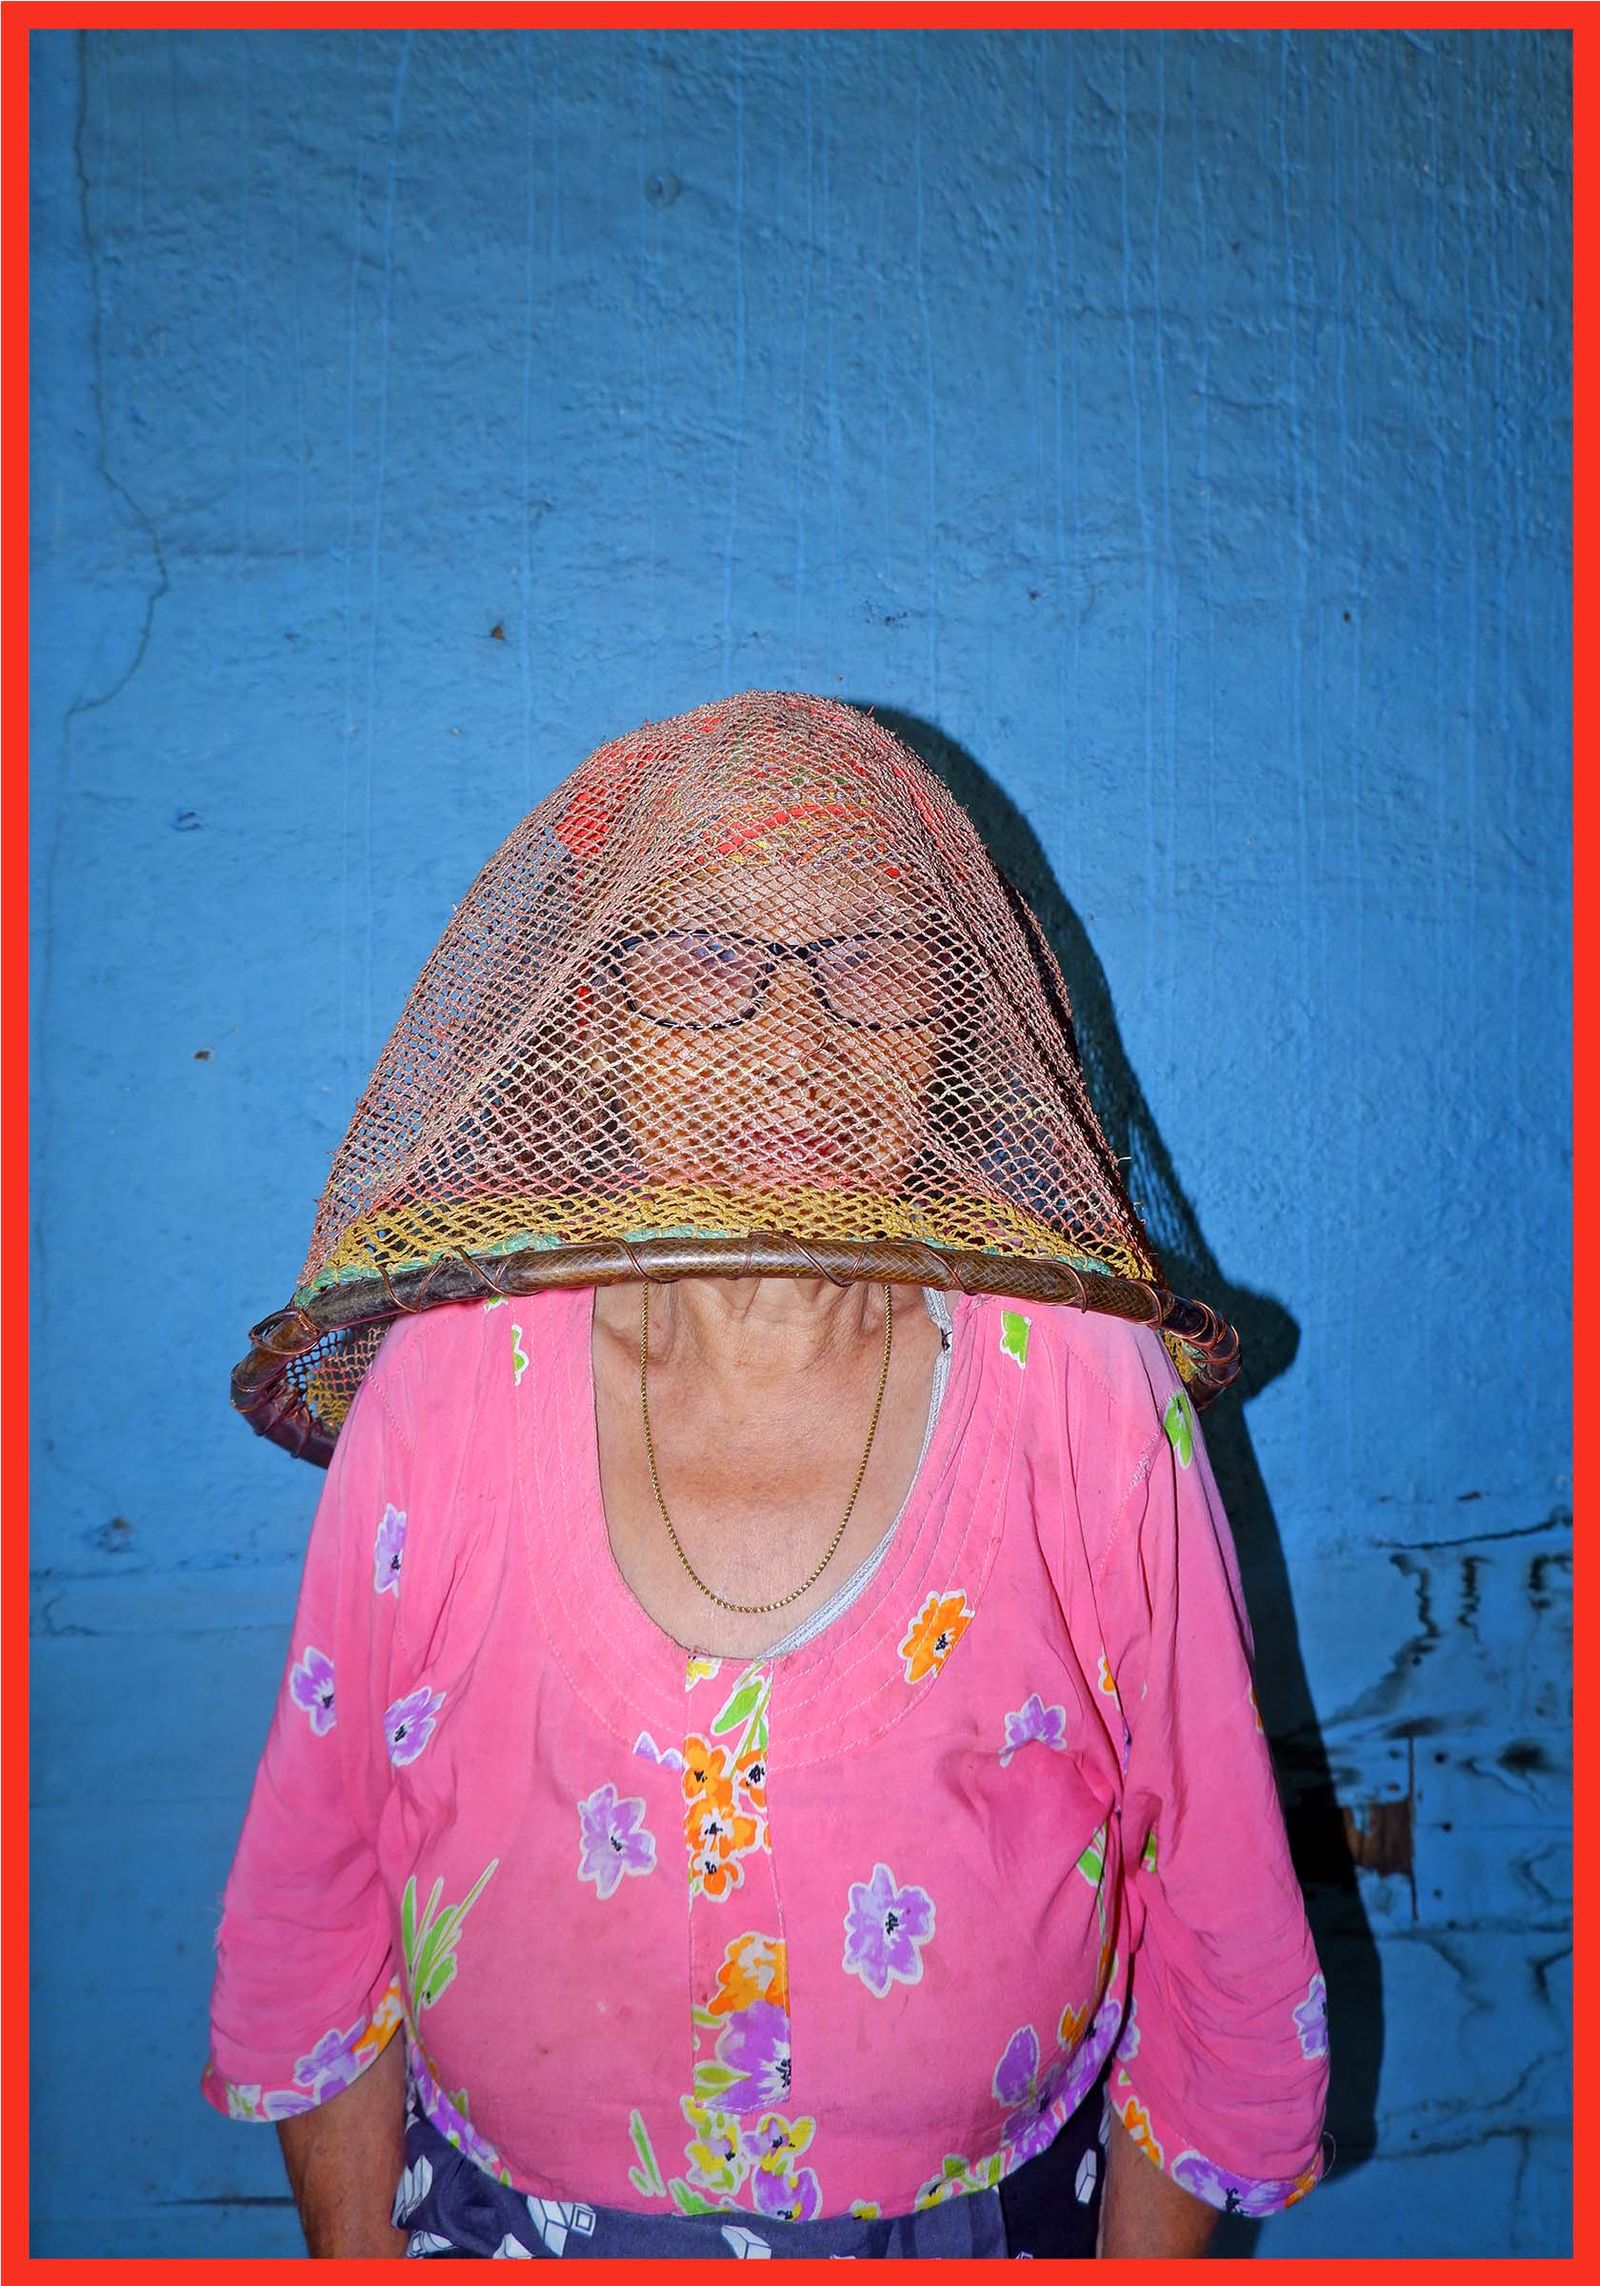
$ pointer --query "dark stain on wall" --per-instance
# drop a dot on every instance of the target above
(1378, 1836)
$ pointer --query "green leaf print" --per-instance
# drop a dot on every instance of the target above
(1178, 1421)
(519, 1357)
(956, 2176)
(1092, 1864)
(689, 2202)
(750, 1692)
(746, 1705)
(712, 2080)
(430, 1946)
(1147, 1856)
(1014, 1330)
(646, 2177)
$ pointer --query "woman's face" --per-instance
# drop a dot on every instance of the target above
(736, 1065)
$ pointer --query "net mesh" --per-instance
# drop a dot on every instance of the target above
(744, 995)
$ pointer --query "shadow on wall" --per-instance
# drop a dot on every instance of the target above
(1318, 1828)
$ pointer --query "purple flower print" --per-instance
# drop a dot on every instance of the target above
(1036, 2116)
(1083, 2066)
(775, 2143)
(1035, 2127)
(1128, 2045)
(755, 2044)
(779, 2185)
(331, 2064)
(787, 2198)
(409, 1724)
(311, 1687)
(248, 2102)
(387, 1551)
(1033, 1722)
(1234, 2194)
(448, 2113)
(448, 2116)
(1017, 2069)
(1311, 2019)
(614, 1839)
(668, 1757)
(885, 1930)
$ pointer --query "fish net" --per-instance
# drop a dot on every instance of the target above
(744, 996)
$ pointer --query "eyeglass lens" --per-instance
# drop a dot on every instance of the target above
(691, 977)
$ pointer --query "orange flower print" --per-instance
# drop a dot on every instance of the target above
(1136, 2120)
(717, 1826)
(753, 1968)
(1074, 2023)
(1106, 1683)
(736, 1788)
(706, 1777)
(1302, 2184)
(389, 2012)
(750, 1781)
(712, 1772)
(935, 1632)
(711, 1875)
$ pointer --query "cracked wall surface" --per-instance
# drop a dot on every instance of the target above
(1170, 433)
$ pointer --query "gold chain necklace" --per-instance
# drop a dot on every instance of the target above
(655, 1482)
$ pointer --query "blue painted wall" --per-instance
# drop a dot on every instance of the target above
(1173, 430)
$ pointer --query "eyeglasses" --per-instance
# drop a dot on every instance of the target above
(697, 980)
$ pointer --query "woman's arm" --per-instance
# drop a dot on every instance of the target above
(345, 2158)
(1143, 2212)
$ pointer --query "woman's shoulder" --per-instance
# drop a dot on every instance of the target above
(1087, 1361)
(1095, 1392)
(434, 1357)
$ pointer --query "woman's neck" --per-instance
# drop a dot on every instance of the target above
(749, 1329)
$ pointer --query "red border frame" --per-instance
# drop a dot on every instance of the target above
(17, 19)
(1585, 121)
(13, 1055)
(21, 16)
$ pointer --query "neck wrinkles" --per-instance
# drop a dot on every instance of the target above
(736, 1328)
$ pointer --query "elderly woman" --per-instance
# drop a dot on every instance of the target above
(767, 1761)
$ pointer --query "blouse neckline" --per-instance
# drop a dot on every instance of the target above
(806, 1630)
(634, 1676)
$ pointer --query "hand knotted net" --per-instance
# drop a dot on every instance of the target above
(745, 995)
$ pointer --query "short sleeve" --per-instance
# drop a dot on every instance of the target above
(307, 1989)
(1221, 2072)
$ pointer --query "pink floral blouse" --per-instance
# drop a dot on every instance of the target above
(847, 1929)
